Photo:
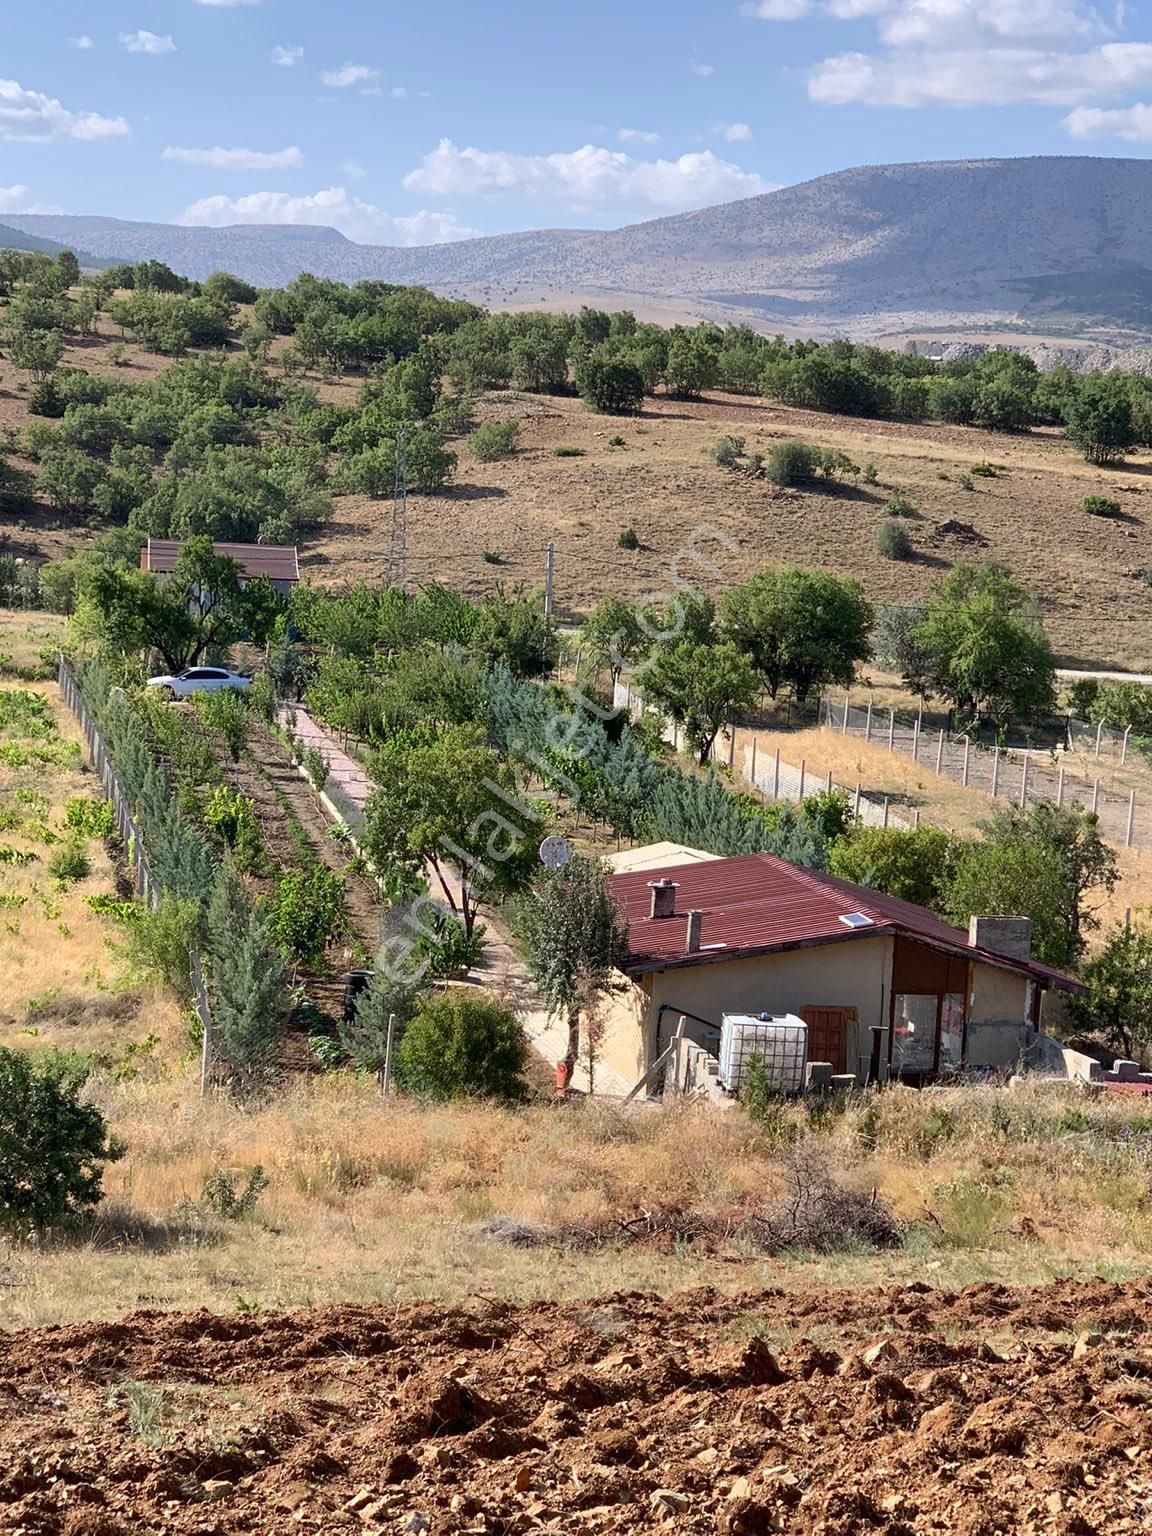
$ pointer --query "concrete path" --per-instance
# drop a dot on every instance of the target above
(1106, 677)
(501, 969)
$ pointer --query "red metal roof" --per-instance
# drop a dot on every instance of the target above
(759, 903)
(276, 561)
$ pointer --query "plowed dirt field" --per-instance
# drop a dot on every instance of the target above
(896, 1412)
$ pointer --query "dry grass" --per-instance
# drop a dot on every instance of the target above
(23, 635)
(375, 1201)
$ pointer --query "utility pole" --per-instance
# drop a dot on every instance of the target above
(548, 569)
(398, 550)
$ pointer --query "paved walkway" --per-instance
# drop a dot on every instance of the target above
(501, 969)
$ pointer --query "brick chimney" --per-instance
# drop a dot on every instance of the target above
(695, 923)
(1007, 936)
(663, 897)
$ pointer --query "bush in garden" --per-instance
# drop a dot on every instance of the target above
(154, 946)
(365, 1036)
(227, 714)
(69, 864)
(307, 913)
(249, 985)
(463, 1044)
(494, 440)
(89, 818)
(53, 1147)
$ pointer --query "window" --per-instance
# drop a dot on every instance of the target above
(914, 1034)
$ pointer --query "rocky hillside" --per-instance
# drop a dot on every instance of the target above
(1059, 243)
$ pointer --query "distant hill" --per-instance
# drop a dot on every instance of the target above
(1062, 244)
(19, 240)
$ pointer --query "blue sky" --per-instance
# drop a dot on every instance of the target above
(401, 123)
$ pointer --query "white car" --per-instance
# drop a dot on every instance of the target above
(198, 680)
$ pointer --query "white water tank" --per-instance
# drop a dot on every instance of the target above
(780, 1040)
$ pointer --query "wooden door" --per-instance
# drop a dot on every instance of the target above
(828, 1034)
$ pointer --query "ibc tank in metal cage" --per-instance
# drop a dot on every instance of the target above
(780, 1040)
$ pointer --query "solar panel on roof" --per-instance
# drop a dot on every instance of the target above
(856, 920)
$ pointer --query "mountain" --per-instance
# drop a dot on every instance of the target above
(1061, 244)
(18, 240)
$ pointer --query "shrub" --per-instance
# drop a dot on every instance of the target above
(308, 912)
(69, 864)
(900, 506)
(493, 557)
(450, 951)
(870, 474)
(628, 539)
(893, 541)
(728, 452)
(223, 1195)
(227, 714)
(966, 482)
(463, 1044)
(566, 451)
(89, 818)
(793, 463)
(985, 470)
(1100, 506)
(316, 767)
(52, 1147)
(494, 440)
(610, 385)
(154, 946)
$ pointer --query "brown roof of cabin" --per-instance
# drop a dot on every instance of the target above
(278, 562)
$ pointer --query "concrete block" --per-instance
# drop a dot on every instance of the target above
(844, 1082)
(819, 1074)
(1126, 1071)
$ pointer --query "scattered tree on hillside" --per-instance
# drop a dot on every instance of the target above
(802, 629)
(610, 385)
(1099, 418)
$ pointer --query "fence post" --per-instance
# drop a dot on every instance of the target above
(916, 740)
(752, 775)
(844, 726)
(776, 777)
(731, 745)
(1060, 787)
(1095, 795)
(996, 771)
(868, 721)
(886, 802)
(386, 1079)
(891, 730)
(1124, 744)
(967, 751)
(1131, 819)
(940, 754)
(803, 767)
(1024, 784)
(1099, 733)
(856, 805)
(916, 818)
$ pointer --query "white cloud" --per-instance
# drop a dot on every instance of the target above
(286, 57)
(83, 42)
(735, 133)
(703, 70)
(974, 23)
(399, 91)
(852, 10)
(237, 159)
(32, 117)
(334, 206)
(147, 42)
(777, 10)
(353, 170)
(1133, 123)
(351, 74)
(637, 136)
(583, 178)
(981, 77)
(12, 199)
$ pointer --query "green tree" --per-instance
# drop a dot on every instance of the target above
(802, 629)
(914, 865)
(307, 912)
(1099, 418)
(793, 463)
(693, 361)
(988, 648)
(513, 631)
(897, 647)
(610, 384)
(223, 288)
(448, 802)
(463, 1044)
(1118, 1003)
(613, 636)
(576, 937)
(1043, 863)
(53, 1146)
(494, 440)
(202, 606)
(700, 686)
(365, 1036)
(249, 986)
(35, 351)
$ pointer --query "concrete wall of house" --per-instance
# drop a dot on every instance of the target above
(998, 1019)
(623, 1039)
(856, 974)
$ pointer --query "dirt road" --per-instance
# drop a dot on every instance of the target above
(1027, 1413)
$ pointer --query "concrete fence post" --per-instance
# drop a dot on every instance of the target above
(731, 745)
(868, 721)
(752, 775)
(996, 770)
(1024, 784)
(916, 819)
(1095, 795)
(967, 754)
(916, 740)
(1060, 787)
(803, 770)
(1131, 819)
(856, 805)
(886, 804)
(828, 787)
(1124, 745)
(891, 730)
(940, 754)
(1099, 733)
(776, 777)
(844, 723)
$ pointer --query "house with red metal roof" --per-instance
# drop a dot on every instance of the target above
(279, 562)
(886, 988)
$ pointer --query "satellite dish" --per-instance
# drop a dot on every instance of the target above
(555, 852)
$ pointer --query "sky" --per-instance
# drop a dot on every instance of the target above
(404, 123)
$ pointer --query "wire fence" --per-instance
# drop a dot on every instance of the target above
(1014, 775)
(767, 773)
